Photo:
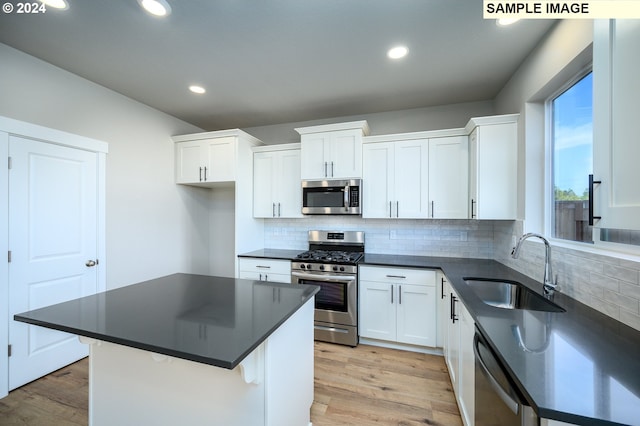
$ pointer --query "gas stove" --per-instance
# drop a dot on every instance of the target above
(330, 256)
(331, 263)
(331, 251)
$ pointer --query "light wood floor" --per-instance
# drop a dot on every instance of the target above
(365, 385)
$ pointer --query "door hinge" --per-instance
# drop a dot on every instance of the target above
(9, 350)
(9, 163)
(9, 256)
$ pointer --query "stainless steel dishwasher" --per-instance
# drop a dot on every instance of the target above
(497, 401)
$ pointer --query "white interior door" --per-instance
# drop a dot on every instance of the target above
(53, 234)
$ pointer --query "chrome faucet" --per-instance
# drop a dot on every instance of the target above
(549, 286)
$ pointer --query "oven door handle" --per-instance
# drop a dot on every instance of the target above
(327, 278)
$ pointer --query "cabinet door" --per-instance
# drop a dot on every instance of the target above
(496, 171)
(377, 180)
(473, 174)
(412, 179)
(288, 186)
(442, 309)
(465, 391)
(416, 320)
(263, 184)
(314, 163)
(377, 310)
(453, 340)
(221, 159)
(615, 141)
(448, 177)
(189, 162)
(345, 155)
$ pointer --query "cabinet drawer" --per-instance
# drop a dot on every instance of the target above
(270, 266)
(398, 275)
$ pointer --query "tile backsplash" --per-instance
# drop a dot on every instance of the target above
(450, 238)
(609, 284)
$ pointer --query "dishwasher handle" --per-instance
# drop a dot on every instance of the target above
(504, 394)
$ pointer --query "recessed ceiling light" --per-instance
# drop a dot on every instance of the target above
(156, 7)
(503, 22)
(397, 52)
(56, 4)
(197, 89)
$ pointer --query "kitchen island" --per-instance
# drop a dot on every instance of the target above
(194, 349)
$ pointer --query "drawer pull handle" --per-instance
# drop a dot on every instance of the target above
(396, 276)
(263, 267)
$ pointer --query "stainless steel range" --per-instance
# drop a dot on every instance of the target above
(332, 264)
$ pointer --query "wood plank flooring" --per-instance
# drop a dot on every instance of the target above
(365, 385)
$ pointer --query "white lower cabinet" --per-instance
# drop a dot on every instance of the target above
(398, 305)
(459, 355)
(274, 270)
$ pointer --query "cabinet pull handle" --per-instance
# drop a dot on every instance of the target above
(392, 294)
(278, 209)
(332, 169)
(399, 295)
(454, 317)
(396, 276)
(260, 277)
(325, 169)
(266, 277)
(591, 183)
(397, 208)
(433, 209)
(205, 174)
(389, 208)
(473, 202)
(442, 296)
(200, 174)
(273, 210)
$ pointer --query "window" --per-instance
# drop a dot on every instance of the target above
(572, 156)
(571, 130)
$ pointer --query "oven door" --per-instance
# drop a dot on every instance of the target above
(336, 301)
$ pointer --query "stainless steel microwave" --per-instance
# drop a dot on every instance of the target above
(331, 196)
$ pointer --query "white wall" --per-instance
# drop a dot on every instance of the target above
(408, 120)
(153, 227)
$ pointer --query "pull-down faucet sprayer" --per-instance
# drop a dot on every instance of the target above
(549, 286)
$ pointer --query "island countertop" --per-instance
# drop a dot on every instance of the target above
(207, 319)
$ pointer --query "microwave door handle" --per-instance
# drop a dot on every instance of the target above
(347, 201)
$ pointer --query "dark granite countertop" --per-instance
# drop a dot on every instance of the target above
(167, 315)
(578, 366)
(281, 254)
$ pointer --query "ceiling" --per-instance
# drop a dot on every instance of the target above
(276, 61)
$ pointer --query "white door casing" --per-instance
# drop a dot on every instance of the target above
(53, 217)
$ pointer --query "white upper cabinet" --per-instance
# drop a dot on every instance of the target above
(207, 159)
(277, 191)
(449, 177)
(493, 167)
(395, 179)
(616, 149)
(332, 151)
(416, 175)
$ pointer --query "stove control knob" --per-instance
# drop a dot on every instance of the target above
(308, 266)
(302, 266)
(342, 269)
(335, 268)
(322, 267)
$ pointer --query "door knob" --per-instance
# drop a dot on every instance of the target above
(91, 263)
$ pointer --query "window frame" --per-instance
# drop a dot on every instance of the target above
(549, 200)
(606, 248)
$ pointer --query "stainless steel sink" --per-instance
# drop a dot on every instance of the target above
(510, 295)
